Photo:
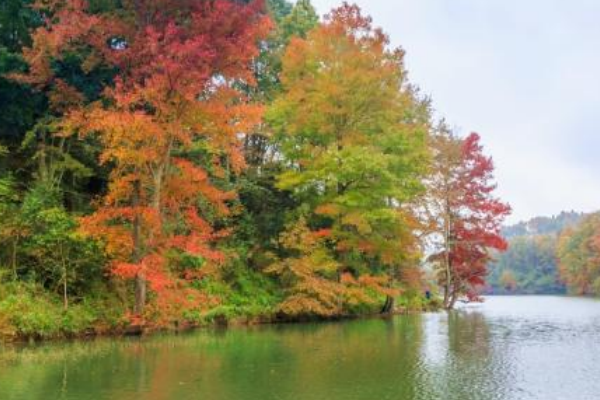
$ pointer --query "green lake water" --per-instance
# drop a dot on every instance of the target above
(514, 348)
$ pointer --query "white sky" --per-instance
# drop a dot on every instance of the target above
(523, 74)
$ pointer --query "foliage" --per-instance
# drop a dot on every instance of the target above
(465, 217)
(531, 258)
(152, 125)
(353, 133)
(301, 19)
(531, 264)
(141, 183)
(309, 272)
(27, 310)
(579, 256)
(45, 247)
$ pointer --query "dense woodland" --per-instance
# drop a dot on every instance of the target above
(171, 163)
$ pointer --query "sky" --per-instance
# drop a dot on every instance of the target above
(525, 75)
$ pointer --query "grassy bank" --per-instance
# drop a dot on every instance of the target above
(29, 312)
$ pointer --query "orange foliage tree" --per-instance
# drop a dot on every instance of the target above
(169, 125)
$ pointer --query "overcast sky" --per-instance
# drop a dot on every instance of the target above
(523, 74)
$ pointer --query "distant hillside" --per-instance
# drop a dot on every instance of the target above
(529, 265)
(543, 225)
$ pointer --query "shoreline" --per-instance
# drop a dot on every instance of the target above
(139, 331)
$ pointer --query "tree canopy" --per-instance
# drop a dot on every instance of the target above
(182, 162)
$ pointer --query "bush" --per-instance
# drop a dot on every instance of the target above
(242, 293)
(29, 311)
(26, 311)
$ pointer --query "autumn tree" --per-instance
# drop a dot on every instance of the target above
(352, 131)
(508, 280)
(168, 126)
(307, 271)
(578, 256)
(464, 215)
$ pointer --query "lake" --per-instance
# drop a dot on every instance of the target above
(515, 348)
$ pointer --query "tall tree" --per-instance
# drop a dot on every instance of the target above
(168, 127)
(353, 132)
(465, 215)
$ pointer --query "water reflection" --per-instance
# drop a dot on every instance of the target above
(460, 359)
(495, 351)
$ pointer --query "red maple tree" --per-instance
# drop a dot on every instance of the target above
(467, 215)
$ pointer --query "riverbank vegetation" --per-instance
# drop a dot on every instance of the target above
(179, 163)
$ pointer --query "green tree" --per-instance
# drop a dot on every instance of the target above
(301, 20)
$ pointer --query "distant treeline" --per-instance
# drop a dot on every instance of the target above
(554, 255)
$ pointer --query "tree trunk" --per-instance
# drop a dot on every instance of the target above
(140, 281)
(453, 299)
(14, 256)
(140, 293)
(448, 283)
(388, 307)
(390, 301)
(448, 293)
(65, 295)
(64, 279)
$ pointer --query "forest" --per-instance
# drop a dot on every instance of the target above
(530, 265)
(549, 255)
(169, 164)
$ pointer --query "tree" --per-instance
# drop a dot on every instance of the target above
(168, 127)
(508, 280)
(307, 273)
(302, 19)
(579, 256)
(43, 243)
(55, 253)
(10, 227)
(20, 105)
(16, 19)
(352, 131)
(465, 217)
